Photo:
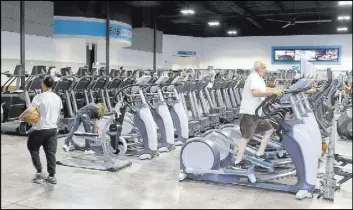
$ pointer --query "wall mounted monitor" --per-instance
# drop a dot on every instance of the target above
(315, 54)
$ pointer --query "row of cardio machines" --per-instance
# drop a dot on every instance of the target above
(210, 157)
(325, 103)
(207, 106)
(148, 118)
(14, 102)
(75, 91)
(344, 122)
(152, 107)
(218, 106)
(325, 108)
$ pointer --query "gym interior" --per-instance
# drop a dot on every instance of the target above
(173, 77)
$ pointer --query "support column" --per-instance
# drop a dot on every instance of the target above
(94, 48)
(88, 56)
(155, 41)
(22, 40)
(107, 39)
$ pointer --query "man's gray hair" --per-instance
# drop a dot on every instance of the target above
(258, 63)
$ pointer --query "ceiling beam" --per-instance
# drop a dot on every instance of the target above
(236, 8)
(241, 11)
(199, 16)
(279, 5)
(302, 12)
(206, 6)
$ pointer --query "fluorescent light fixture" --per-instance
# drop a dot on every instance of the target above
(213, 23)
(344, 3)
(187, 11)
(343, 17)
(342, 29)
(232, 32)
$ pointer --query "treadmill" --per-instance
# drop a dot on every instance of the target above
(194, 123)
(96, 90)
(15, 102)
(79, 92)
(110, 91)
(207, 109)
(62, 89)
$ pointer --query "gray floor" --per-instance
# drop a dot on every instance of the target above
(145, 184)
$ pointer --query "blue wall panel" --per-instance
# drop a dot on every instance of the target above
(90, 28)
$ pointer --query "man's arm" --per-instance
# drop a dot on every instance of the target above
(270, 89)
(59, 115)
(260, 93)
(257, 92)
(310, 91)
(35, 104)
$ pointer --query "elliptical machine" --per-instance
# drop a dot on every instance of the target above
(160, 113)
(123, 140)
(344, 122)
(210, 159)
(176, 109)
(200, 159)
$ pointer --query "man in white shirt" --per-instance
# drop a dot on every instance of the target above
(253, 92)
(48, 105)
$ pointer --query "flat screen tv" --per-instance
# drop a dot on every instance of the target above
(314, 54)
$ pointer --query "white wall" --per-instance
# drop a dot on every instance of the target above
(130, 59)
(62, 52)
(241, 52)
(234, 52)
(70, 50)
(9, 65)
(172, 44)
(37, 47)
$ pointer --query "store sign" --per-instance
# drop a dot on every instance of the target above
(186, 53)
(91, 27)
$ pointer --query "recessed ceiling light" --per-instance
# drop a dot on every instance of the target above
(232, 32)
(342, 29)
(343, 17)
(188, 11)
(213, 23)
(344, 3)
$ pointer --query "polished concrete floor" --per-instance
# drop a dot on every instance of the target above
(145, 184)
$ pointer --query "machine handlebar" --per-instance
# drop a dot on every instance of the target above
(267, 104)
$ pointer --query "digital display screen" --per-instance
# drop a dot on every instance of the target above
(317, 55)
(284, 55)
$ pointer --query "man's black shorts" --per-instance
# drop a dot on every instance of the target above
(250, 124)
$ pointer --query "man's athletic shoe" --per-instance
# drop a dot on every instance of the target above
(239, 165)
(51, 179)
(39, 178)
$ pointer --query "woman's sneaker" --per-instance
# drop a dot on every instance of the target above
(68, 148)
(51, 179)
(39, 178)
(89, 152)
